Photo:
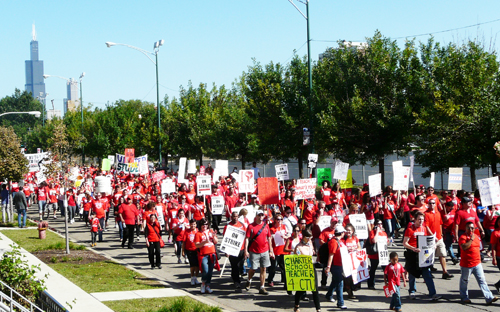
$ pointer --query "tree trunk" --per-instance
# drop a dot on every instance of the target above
(381, 169)
(242, 162)
(473, 182)
(300, 166)
(494, 163)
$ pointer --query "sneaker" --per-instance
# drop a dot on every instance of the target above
(196, 281)
(160, 267)
(330, 299)
(247, 285)
(454, 261)
(170, 241)
(238, 287)
(492, 300)
(192, 281)
(466, 301)
(208, 289)
(179, 260)
(433, 269)
(413, 296)
(55, 217)
(271, 284)
(263, 291)
(447, 275)
(202, 288)
(152, 267)
(436, 297)
(343, 307)
(186, 261)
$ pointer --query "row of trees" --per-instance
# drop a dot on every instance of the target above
(440, 101)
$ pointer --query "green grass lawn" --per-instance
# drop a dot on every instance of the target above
(171, 304)
(15, 223)
(28, 239)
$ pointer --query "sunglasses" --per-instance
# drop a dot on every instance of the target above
(279, 219)
(303, 223)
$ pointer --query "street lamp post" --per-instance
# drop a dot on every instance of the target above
(157, 46)
(42, 98)
(81, 108)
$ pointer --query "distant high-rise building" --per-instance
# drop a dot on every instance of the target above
(72, 100)
(34, 71)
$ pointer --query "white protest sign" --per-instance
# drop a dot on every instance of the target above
(282, 172)
(161, 219)
(427, 246)
(167, 186)
(191, 166)
(223, 167)
(360, 270)
(489, 189)
(312, 157)
(401, 179)
(279, 240)
(232, 241)
(324, 222)
(383, 252)
(250, 209)
(412, 164)
(40, 177)
(215, 175)
(181, 178)
(346, 260)
(143, 164)
(455, 178)
(102, 185)
(397, 164)
(341, 169)
(374, 183)
(433, 178)
(359, 223)
(33, 160)
(203, 185)
(217, 205)
(305, 188)
(111, 158)
(246, 181)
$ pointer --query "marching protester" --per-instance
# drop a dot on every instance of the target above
(236, 261)
(495, 248)
(153, 237)
(375, 235)
(205, 240)
(334, 265)
(189, 250)
(129, 215)
(392, 275)
(179, 226)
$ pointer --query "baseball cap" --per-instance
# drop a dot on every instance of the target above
(339, 229)
(466, 199)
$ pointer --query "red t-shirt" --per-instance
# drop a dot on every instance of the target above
(394, 273)
(87, 203)
(334, 248)
(41, 194)
(52, 192)
(433, 221)
(179, 232)
(98, 208)
(412, 232)
(189, 237)
(116, 197)
(208, 248)
(463, 216)
(278, 250)
(190, 197)
(95, 225)
(309, 212)
(129, 213)
(147, 213)
(351, 243)
(472, 256)
(153, 232)
(327, 234)
(495, 239)
(260, 244)
(198, 211)
(448, 220)
(326, 194)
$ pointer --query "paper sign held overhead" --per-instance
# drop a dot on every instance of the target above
(111, 158)
(433, 178)
(347, 183)
(181, 178)
(268, 191)
(129, 155)
(167, 186)
(375, 184)
(323, 174)
(203, 185)
(222, 167)
(106, 164)
(455, 178)
(282, 172)
(305, 189)
(489, 190)
(412, 164)
(401, 179)
(246, 181)
(191, 166)
(313, 158)
(341, 170)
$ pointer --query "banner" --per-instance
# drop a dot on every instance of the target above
(300, 273)
(203, 185)
(347, 183)
(181, 177)
(455, 179)
(282, 172)
(305, 189)
(360, 225)
(217, 205)
(268, 191)
(355, 264)
(246, 181)
(33, 160)
(223, 167)
(341, 170)
(383, 252)
(129, 155)
(139, 166)
(323, 174)
(401, 178)
(232, 241)
(167, 186)
(158, 176)
(324, 222)
(427, 246)
(489, 189)
(106, 164)
(191, 166)
(375, 184)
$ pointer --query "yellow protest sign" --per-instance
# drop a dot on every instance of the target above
(346, 184)
(299, 273)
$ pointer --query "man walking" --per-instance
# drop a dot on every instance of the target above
(129, 215)
(19, 201)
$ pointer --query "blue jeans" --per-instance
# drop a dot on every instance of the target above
(41, 205)
(396, 299)
(426, 274)
(21, 212)
(477, 271)
(207, 268)
(337, 284)
(390, 226)
(120, 229)
(448, 242)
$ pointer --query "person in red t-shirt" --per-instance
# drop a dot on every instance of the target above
(278, 243)
(392, 275)
(94, 228)
(434, 224)
(179, 226)
(98, 208)
(87, 205)
(152, 233)
(206, 240)
(470, 263)
(464, 215)
(129, 216)
(375, 235)
(257, 249)
(334, 265)
(495, 248)
(198, 209)
(70, 195)
(326, 194)
(448, 217)
(236, 261)
(189, 250)
(51, 200)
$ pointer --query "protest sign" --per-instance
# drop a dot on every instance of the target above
(232, 241)
(300, 273)
(202, 170)
(359, 223)
(279, 239)
(215, 175)
(375, 184)
(167, 186)
(40, 177)
(433, 178)
(427, 246)
(161, 219)
(341, 169)
(383, 252)
(223, 167)
(191, 166)
(401, 179)
(323, 174)
(268, 191)
(347, 183)
(34, 159)
(282, 172)
(355, 264)
(111, 158)
(489, 189)
(129, 155)
(305, 188)
(235, 176)
(217, 205)
(106, 164)
(143, 164)
(389, 290)
(313, 157)
(246, 182)
(324, 222)
(412, 164)
(102, 185)
(181, 177)
(203, 185)
(158, 176)
(397, 164)
(455, 178)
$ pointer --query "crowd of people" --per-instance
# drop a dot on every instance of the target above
(185, 221)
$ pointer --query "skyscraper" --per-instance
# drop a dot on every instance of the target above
(34, 71)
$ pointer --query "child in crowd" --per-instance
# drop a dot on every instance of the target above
(392, 278)
(94, 228)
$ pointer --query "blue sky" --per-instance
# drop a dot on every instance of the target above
(205, 41)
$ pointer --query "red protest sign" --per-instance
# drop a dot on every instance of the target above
(268, 191)
(202, 170)
(158, 176)
(129, 155)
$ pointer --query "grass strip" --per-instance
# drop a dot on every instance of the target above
(169, 304)
(28, 239)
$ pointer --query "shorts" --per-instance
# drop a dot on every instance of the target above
(260, 260)
(192, 256)
(371, 221)
(440, 248)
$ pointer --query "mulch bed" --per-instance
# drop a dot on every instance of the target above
(75, 256)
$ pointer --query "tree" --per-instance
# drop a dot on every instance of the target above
(13, 164)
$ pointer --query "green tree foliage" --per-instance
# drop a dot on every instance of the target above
(13, 164)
